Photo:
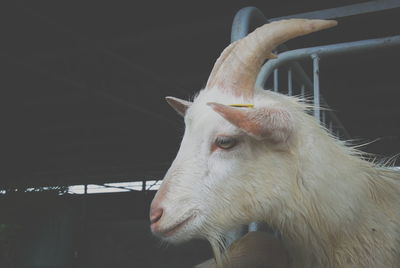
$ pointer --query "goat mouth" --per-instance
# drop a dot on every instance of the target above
(173, 229)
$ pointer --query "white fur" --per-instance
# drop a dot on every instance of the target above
(332, 207)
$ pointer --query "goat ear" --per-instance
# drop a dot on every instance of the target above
(179, 105)
(274, 124)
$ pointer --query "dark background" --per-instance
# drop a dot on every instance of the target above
(83, 86)
(84, 82)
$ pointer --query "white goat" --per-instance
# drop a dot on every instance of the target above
(269, 161)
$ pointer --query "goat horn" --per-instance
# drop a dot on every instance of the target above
(237, 68)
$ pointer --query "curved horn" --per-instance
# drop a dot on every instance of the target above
(237, 68)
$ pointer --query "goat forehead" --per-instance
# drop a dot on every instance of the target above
(202, 114)
(216, 96)
(261, 98)
(201, 118)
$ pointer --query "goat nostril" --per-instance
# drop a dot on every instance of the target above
(155, 215)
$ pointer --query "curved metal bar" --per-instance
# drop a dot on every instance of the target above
(324, 51)
(249, 18)
(346, 11)
(246, 20)
(290, 57)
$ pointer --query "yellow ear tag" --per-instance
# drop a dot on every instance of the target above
(242, 105)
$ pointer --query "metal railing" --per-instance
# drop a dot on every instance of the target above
(315, 53)
(249, 18)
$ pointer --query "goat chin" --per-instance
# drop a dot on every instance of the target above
(255, 250)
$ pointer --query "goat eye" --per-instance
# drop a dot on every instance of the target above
(224, 142)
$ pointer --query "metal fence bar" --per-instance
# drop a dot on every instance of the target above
(325, 51)
(276, 80)
(246, 20)
(302, 78)
(250, 18)
(302, 91)
(317, 105)
(346, 11)
(290, 82)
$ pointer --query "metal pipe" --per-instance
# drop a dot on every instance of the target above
(317, 105)
(245, 21)
(143, 186)
(276, 80)
(302, 91)
(325, 51)
(290, 84)
(250, 18)
(290, 57)
(346, 11)
(302, 78)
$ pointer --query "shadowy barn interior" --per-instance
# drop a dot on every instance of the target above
(89, 135)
